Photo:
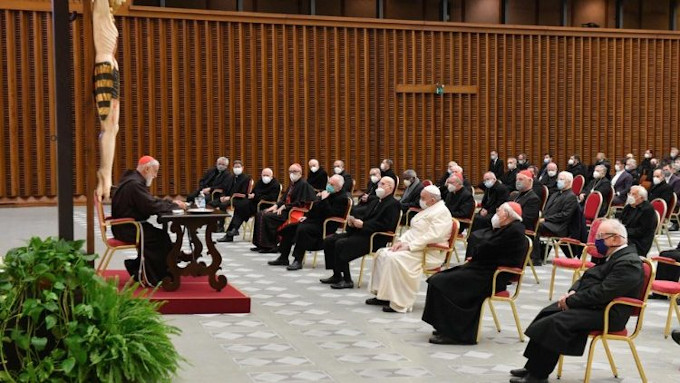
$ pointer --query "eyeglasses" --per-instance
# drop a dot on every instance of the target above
(605, 235)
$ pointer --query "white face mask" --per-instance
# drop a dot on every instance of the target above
(617, 168)
(596, 174)
(489, 183)
(149, 181)
(552, 173)
(314, 169)
(238, 171)
(546, 160)
(266, 179)
(451, 188)
(423, 205)
(375, 179)
(647, 155)
(383, 167)
(512, 166)
(656, 181)
(493, 158)
(294, 177)
(570, 162)
(630, 200)
(496, 221)
(380, 192)
(521, 161)
(337, 170)
(407, 183)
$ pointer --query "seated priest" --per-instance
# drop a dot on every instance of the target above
(298, 194)
(381, 215)
(562, 328)
(459, 199)
(317, 176)
(411, 194)
(307, 233)
(132, 199)
(441, 183)
(339, 169)
(455, 296)
(598, 183)
(495, 194)
(508, 178)
(369, 193)
(240, 182)
(266, 189)
(548, 177)
(387, 171)
(395, 278)
(558, 214)
(639, 218)
(527, 199)
(660, 189)
(213, 178)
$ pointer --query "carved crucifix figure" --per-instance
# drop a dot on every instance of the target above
(106, 87)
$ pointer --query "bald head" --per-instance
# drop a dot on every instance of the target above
(337, 182)
(386, 184)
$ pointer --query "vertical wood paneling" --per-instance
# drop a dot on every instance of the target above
(271, 93)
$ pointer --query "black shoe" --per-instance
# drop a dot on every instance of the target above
(442, 339)
(296, 265)
(255, 248)
(537, 262)
(435, 332)
(676, 336)
(280, 261)
(674, 227)
(376, 302)
(528, 379)
(388, 309)
(330, 280)
(343, 285)
(226, 238)
(132, 266)
(657, 296)
(519, 372)
(273, 250)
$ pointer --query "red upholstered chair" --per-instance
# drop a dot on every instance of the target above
(577, 184)
(464, 238)
(112, 244)
(591, 208)
(660, 207)
(544, 196)
(671, 289)
(605, 335)
(504, 296)
(371, 252)
(667, 217)
(532, 234)
(343, 225)
(608, 202)
(447, 247)
(426, 183)
(576, 264)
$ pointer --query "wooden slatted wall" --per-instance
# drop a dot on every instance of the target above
(271, 90)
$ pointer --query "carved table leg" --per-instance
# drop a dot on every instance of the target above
(171, 282)
(217, 282)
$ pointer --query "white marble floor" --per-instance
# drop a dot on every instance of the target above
(302, 331)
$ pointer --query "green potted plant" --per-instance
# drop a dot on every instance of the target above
(61, 322)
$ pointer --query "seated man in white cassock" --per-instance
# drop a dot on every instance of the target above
(395, 279)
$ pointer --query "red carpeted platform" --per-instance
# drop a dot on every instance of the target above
(194, 296)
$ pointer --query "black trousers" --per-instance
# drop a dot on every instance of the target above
(306, 237)
(666, 272)
(265, 228)
(341, 249)
(540, 361)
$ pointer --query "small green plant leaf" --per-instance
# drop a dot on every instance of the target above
(39, 343)
(68, 364)
(50, 321)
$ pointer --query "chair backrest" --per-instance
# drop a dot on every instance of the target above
(455, 226)
(674, 201)
(577, 184)
(610, 199)
(527, 257)
(354, 184)
(100, 215)
(660, 206)
(251, 185)
(648, 269)
(591, 209)
(544, 196)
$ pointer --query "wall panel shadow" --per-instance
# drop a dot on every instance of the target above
(272, 89)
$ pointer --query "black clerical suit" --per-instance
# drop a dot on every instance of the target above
(640, 222)
(239, 184)
(555, 332)
(298, 194)
(577, 169)
(550, 182)
(132, 199)
(602, 185)
(661, 190)
(307, 235)
(455, 296)
(496, 167)
(359, 209)
(390, 173)
(349, 183)
(244, 208)
(213, 179)
(666, 272)
(509, 178)
(412, 199)
(494, 197)
(461, 204)
(341, 249)
(558, 212)
(531, 207)
(318, 179)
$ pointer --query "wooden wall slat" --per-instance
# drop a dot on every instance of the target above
(272, 91)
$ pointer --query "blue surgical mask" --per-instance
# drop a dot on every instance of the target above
(601, 247)
(330, 189)
(560, 184)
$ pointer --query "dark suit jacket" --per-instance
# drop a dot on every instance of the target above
(297, 195)
(239, 184)
(413, 199)
(550, 182)
(508, 179)
(333, 206)
(559, 209)
(494, 197)
(640, 221)
(382, 215)
(531, 206)
(606, 163)
(390, 173)
(318, 179)
(566, 332)
(263, 192)
(602, 185)
(578, 169)
(215, 179)
(674, 183)
(496, 167)
(622, 187)
(663, 191)
(347, 186)
(460, 204)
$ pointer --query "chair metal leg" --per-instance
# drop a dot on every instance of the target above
(361, 271)
(668, 235)
(314, 260)
(533, 271)
(610, 358)
(591, 354)
(552, 283)
(519, 326)
(640, 369)
(667, 329)
(481, 317)
(560, 362)
(493, 314)
(103, 262)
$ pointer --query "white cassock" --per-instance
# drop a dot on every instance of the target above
(396, 274)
